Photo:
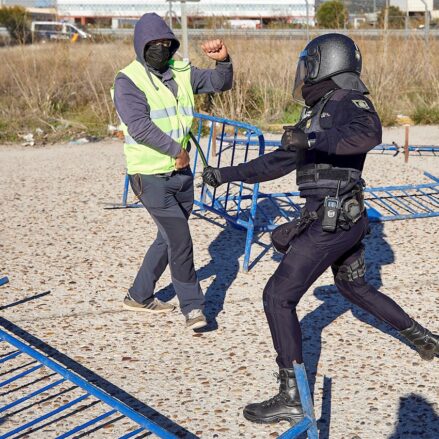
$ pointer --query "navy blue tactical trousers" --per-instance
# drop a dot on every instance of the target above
(311, 254)
(169, 201)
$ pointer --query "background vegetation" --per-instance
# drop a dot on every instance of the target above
(332, 15)
(17, 22)
(61, 90)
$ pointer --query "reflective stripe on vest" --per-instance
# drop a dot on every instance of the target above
(173, 116)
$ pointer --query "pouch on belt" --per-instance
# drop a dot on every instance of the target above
(283, 235)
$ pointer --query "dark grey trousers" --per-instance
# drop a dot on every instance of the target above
(169, 201)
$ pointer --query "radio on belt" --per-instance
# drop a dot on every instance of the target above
(331, 211)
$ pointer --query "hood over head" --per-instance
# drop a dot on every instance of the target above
(152, 27)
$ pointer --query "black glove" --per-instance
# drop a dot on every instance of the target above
(212, 176)
(294, 138)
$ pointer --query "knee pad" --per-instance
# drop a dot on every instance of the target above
(351, 271)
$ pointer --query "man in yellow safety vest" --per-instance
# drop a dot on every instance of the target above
(154, 98)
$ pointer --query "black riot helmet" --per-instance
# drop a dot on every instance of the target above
(333, 56)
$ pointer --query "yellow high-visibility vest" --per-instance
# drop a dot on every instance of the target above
(172, 115)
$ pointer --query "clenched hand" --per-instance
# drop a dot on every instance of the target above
(215, 49)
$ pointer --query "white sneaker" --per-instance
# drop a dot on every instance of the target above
(196, 319)
(155, 306)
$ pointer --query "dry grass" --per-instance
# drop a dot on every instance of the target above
(64, 89)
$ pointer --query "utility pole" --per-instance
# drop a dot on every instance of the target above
(426, 21)
(184, 29)
(407, 18)
(386, 17)
(307, 20)
(375, 14)
(386, 27)
(170, 15)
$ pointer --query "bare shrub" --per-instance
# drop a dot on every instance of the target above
(65, 89)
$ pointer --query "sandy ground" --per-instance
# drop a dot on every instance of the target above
(57, 238)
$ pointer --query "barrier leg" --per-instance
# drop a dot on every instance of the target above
(406, 144)
(308, 423)
(250, 228)
(248, 247)
(125, 190)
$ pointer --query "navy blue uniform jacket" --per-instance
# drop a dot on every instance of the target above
(355, 129)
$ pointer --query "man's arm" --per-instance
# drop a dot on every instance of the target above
(134, 111)
(356, 128)
(213, 80)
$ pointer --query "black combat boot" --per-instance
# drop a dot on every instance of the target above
(285, 406)
(427, 344)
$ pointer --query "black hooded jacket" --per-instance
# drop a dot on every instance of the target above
(131, 103)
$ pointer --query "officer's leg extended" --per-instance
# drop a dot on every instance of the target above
(349, 274)
(300, 267)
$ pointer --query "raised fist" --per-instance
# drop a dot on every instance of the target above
(215, 49)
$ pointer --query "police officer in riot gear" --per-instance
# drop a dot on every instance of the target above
(327, 148)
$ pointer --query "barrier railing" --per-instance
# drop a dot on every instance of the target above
(385, 148)
(235, 202)
(226, 143)
(31, 422)
(61, 375)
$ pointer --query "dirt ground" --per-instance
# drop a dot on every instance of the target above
(56, 237)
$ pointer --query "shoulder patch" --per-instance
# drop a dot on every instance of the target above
(361, 103)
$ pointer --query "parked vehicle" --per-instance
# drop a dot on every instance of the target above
(57, 30)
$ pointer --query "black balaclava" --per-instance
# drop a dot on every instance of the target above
(158, 57)
(312, 93)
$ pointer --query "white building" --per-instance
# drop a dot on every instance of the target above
(254, 9)
(412, 5)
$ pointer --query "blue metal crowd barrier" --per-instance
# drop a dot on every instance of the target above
(237, 203)
(63, 375)
(142, 424)
(384, 148)
(4, 280)
(246, 207)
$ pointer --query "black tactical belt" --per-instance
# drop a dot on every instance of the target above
(315, 174)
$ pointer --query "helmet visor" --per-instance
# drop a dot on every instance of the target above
(300, 78)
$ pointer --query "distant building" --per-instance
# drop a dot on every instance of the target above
(37, 9)
(412, 6)
(287, 10)
(30, 3)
